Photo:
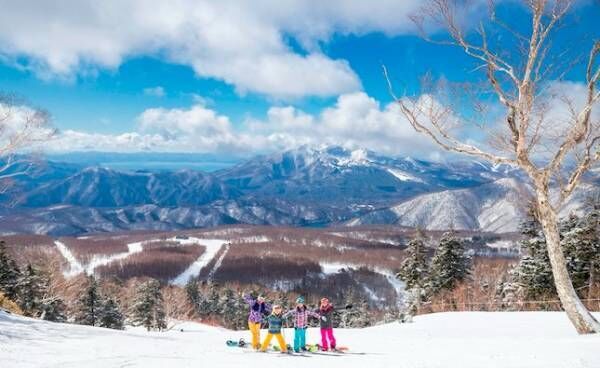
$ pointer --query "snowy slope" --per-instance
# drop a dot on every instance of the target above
(212, 248)
(445, 340)
(497, 207)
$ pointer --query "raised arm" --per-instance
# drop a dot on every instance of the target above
(288, 314)
(248, 299)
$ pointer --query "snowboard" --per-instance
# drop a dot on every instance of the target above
(237, 344)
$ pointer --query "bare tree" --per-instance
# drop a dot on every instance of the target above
(554, 148)
(21, 127)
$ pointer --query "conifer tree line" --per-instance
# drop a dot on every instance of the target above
(528, 280)
(224, 305)
(531, 278)
(27, 291)
(427, 276)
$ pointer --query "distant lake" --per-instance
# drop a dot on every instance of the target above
(147, 161)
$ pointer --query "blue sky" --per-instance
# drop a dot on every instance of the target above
(208, 77)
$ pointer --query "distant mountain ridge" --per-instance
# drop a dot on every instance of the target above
(300, 187)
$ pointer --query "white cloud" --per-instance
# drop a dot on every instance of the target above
(354, 121)
(240, 42)
(157, 91)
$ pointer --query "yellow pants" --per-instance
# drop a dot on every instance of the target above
(280, 340)
(255, 331)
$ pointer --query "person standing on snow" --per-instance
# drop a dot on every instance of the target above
(325, 312)
(300, 314)
(275, 324)
(258, 309)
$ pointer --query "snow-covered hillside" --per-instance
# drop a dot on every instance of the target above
(497, 207)
(445, 340)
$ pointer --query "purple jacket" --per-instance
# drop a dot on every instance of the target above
(301, 316)
(257, 310)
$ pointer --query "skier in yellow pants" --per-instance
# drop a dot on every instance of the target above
(275, 323)
(258, 308)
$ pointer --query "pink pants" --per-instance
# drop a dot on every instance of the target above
(327, 334)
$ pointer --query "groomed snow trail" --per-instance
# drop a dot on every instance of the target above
(444, 340)
(75, 267)
(218, 263)
(212, 248)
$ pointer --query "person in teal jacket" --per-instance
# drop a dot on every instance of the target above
(275, 321)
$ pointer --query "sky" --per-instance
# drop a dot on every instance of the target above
(235, 77)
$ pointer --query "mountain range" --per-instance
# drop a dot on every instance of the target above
(300, 187)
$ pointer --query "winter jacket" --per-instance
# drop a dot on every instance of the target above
(300, 316)
(326, 316)
(257, 310)
(275, 323)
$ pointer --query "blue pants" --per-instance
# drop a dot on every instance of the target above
(299, 338)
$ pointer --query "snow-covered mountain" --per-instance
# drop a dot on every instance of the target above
(495, 207)
(302, 187)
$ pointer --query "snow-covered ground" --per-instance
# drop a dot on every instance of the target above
(444, 340)
(212, 248)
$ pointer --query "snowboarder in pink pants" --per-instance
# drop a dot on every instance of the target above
(326, 316)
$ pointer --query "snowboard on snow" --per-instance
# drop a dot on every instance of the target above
(237, 344)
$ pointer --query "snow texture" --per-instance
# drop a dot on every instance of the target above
(444, 340)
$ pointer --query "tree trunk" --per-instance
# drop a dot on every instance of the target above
(582, 319)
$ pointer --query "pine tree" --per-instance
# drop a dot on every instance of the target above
(110, 315)
(53, 309)
(450, 264)
(192, 292)
(229, 308)
(532, 277)
(414, 269)
(214, 299)
(148, 306)
(9, 274)
(31, 289)
(89, 305)
(581, 247)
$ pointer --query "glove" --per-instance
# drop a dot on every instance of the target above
(324, 319)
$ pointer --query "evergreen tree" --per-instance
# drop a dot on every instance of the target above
(192, 292)
(110, 315)
(204, 307)
(9, 274)
(450, 264)
(533, 275)
(214, 299)
(228, 303)
(31, 289)
(414, 269)
(148, 306)
(89, 305)
(581, 246)
(54, 309)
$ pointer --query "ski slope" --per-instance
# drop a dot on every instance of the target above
(212, 248)
(444, 340)
(76, 267)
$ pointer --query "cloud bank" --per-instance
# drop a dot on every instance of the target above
(354, 121)
(244, 43)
